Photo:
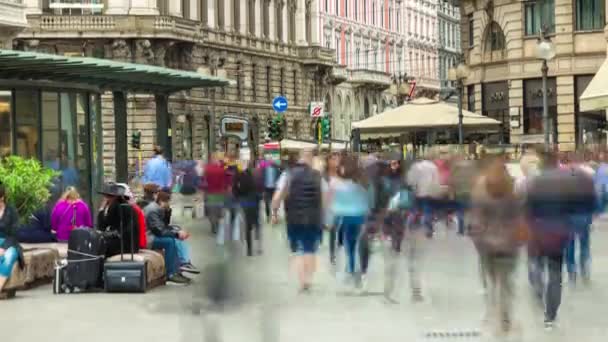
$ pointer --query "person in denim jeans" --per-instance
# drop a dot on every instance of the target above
(9, 249)
(580, 237)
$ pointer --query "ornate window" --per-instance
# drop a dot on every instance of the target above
(186, 9)
(266, 17)
(308, 19)
(236, 14)
(471, 27)
(495, 38)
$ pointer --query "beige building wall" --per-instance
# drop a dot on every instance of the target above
(578, 53)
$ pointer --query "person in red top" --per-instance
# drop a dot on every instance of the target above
(215, 184)
(141, 218)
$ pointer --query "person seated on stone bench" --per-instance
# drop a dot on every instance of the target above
(150, 192)
(10, 251)
(109, 219)
(162, 236)
(38, 227)
(70, 212)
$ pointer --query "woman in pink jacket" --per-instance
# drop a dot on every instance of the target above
(70, 212)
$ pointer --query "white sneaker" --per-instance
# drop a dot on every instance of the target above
(363, 285)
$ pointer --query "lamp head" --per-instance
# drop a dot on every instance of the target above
(545, 50)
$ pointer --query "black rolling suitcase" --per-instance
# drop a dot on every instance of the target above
(84, 267)
(125, 275)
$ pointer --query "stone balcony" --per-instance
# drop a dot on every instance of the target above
(339, 74)
(317, 55)
(363, 77)
(149, 27)
(12, 15)
(428, 83)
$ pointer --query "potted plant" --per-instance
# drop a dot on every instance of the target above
(27, 182)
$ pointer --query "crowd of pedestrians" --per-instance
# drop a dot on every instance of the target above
(379, 202)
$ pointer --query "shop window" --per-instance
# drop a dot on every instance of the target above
(590, 15)
(6, 123)
(539, 15)
(589, 125)
(27, 123)
(533, 106)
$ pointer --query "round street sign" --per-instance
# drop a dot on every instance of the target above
(279, 104)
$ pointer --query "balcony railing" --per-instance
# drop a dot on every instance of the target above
(12, 13)
(372, 77)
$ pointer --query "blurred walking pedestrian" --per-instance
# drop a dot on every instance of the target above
(496, 230)
(303, 195)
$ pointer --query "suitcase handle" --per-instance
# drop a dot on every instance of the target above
(123, 208)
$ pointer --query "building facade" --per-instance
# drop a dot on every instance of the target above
(12, 21)
(421, 26)
(264, 46)
(449, 50)
(499, 39)
(375, 42)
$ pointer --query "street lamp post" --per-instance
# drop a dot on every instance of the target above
(400, 88)
(545, 50)
(459, 74)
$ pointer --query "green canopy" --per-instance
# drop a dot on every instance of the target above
(103, 73)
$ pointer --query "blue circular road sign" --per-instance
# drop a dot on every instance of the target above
(279, 104)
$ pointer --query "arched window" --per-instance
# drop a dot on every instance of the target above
(495, 38)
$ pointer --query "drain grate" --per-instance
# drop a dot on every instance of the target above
(466, 335)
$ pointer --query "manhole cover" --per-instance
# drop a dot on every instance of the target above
(462, 335)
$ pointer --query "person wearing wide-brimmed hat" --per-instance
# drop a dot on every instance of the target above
(109, 220)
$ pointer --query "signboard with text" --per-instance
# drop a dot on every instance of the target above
(234, 126)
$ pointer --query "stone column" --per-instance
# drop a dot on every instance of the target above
(211, 22)
(271, 19)
(117, 7)
(33, 6)
(566, 134)
(143, 7)
(301, 23)
(516, 107)
(315, 32)
(258, 14)
(175, 8)
(243, 17)
(228, 17)
(285, 16)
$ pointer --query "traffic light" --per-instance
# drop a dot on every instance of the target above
(326, 128)
(136, 140)
(275, 129)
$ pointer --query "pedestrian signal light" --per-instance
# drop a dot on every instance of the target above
(326, 128)
(136, 140)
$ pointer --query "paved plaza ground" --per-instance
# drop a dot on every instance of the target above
(273, 307)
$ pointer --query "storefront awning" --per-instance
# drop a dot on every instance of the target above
(421, 114)
(102, 73)
(595, 96)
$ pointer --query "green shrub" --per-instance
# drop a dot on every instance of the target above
(27, 183)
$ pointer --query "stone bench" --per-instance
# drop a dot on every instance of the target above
(155, 266)
(39, 269)
(40, 265)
